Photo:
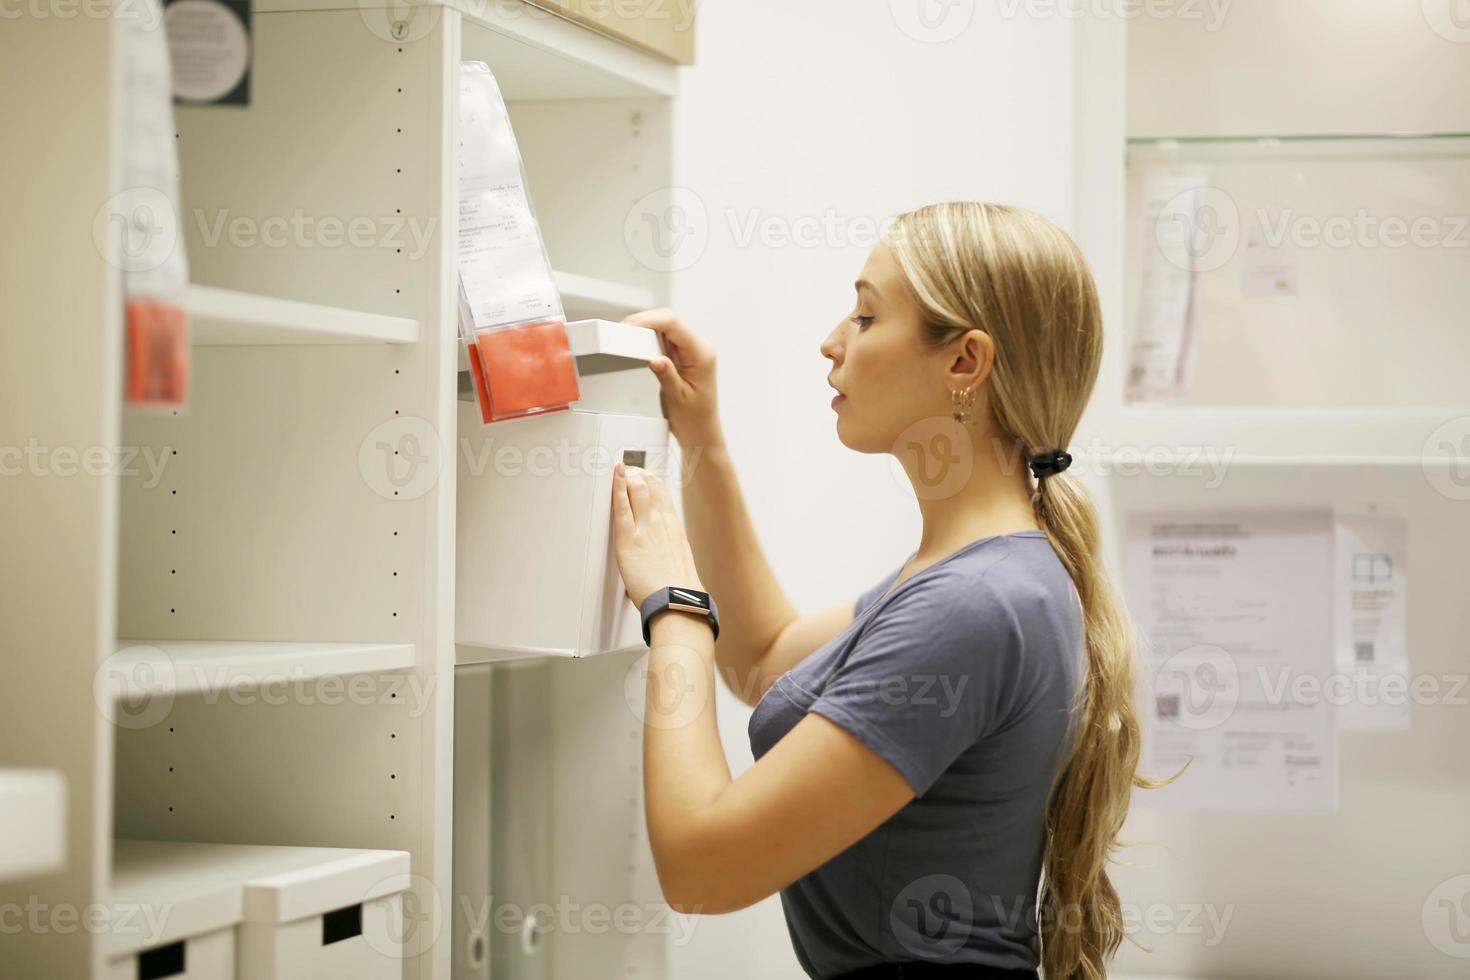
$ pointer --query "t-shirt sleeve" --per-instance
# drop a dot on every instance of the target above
(934, 671)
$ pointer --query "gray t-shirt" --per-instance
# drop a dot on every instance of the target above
(962, 678)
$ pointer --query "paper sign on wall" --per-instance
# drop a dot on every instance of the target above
(1236, 613)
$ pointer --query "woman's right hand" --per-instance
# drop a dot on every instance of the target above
(686, 379)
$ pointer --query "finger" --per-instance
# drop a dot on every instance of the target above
(638, 494)
(670, 380)
(622, 507)
(672, 329)
(662, 504)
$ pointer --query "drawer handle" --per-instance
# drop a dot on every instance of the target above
(165, 961)
(635, 457)
(341, 925)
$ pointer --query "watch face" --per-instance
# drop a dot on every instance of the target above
(688, 600)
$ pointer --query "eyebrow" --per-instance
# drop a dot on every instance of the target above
(864, 284)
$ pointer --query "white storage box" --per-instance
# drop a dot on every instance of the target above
(173, 913)
(536, 576)
(257, 913)
(339, 917)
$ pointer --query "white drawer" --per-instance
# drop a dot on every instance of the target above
(536, 576)
(357, 942)
(209, 956)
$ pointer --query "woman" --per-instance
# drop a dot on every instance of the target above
(925, 753)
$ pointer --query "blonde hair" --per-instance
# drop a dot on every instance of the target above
(1022, 280)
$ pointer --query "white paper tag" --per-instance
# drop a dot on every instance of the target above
(1163, 340)
(1372, 558)
(503, 267)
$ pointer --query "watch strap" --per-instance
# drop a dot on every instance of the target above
(682, 600)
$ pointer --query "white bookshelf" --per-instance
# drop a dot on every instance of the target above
(269, 546)
(32, 830)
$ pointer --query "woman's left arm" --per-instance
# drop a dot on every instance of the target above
(721, 844)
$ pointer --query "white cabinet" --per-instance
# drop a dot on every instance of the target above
(536, 575)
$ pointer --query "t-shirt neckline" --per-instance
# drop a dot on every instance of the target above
(962, 549)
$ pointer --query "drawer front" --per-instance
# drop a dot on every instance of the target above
(207, 957)
(312, 949)
(664, 27)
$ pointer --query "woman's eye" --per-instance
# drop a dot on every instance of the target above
(863, 322)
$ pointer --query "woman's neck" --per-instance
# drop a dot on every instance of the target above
(994, 499)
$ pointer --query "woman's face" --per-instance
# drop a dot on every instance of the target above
(887, 378)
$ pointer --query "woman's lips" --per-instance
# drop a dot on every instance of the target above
(839, 399)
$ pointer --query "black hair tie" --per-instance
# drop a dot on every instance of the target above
(1046, 464)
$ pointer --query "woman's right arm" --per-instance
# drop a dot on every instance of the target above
(761, 634)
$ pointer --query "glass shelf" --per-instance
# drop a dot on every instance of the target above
(1337, 272)
(1296, 138)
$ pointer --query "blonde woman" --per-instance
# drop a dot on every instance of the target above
(943, 765)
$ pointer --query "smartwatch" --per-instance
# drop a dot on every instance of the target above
(684, 600)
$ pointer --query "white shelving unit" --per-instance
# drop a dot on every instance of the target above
(281, 548)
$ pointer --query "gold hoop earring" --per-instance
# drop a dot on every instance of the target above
(964, 405)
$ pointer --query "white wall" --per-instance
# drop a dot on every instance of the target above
(1303, 66)
(816, 110)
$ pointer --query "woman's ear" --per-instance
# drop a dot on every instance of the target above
(972, 359)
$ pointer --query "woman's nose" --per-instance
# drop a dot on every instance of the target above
(832, 346)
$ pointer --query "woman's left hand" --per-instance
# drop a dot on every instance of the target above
(649, 542)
